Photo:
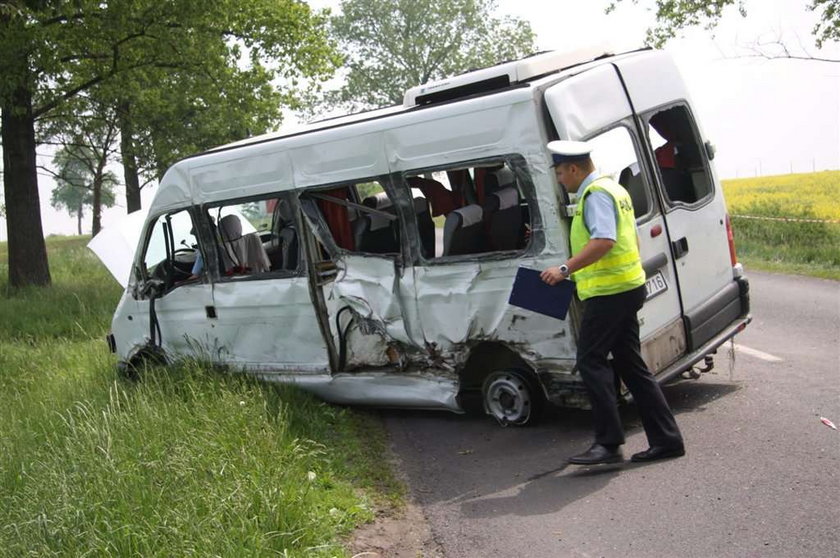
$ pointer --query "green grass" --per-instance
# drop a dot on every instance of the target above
(187, 460)
(807, 248)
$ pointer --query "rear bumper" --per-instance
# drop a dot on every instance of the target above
(710, 346)
(703, 328)
(705, 323)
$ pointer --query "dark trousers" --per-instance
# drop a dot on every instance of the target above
(610, 326)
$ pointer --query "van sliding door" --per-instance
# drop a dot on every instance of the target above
(353, 247)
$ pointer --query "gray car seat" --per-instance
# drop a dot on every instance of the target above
(376, 233)
(463, 231)
(504, 219)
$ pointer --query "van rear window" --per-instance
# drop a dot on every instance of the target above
(679, 156)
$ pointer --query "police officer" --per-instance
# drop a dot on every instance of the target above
(607, 270)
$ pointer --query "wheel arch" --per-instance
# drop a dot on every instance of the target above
(488, 356)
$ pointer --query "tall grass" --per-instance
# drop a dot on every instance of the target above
(799, 245)
(187, 460)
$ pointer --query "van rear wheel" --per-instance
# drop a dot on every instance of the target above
(512, 397)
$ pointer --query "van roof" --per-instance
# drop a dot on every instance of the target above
(224, 170)
(481, 81)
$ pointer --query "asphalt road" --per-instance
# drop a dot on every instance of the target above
(761, 476)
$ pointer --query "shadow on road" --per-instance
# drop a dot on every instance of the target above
(468, 460)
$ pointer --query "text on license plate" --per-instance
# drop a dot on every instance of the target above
(654, 285)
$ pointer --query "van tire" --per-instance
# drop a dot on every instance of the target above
(512, 397)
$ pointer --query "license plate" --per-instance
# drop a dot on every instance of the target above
(655, 285)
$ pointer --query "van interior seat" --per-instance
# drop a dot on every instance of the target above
(498, 180)
(376, 233)
(425, 226)
(463, 231)
(242, 253)
(503, 218)
(631, 179)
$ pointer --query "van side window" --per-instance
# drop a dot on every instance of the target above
(679, 156)
(614, 154)
(254, 237)
(360, 216)
(171, 251)
(474, 208)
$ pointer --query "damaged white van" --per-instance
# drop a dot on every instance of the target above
(369, 259)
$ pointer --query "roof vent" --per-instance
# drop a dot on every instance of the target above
(500, 76)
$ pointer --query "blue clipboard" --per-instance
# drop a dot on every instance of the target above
(531, 293)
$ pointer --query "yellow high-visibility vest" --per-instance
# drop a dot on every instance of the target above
(620, 270)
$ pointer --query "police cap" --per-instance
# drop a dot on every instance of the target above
(565, 151)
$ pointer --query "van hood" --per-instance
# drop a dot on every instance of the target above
(115, 245)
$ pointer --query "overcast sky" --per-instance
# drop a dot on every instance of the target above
(765, 116)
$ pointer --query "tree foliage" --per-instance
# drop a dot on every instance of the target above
(55, 50)
(75, 183)
(828, 28)
(87, 133)
(391, 46)
(672, 16)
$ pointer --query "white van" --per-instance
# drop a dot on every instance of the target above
(369, 259)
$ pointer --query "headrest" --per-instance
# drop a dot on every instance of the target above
(284, 210)
(379, 201)
(470, 215)
(499, 179)
(230, 227)
(508, 198)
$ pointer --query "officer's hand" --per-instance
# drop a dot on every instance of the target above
(552, 275)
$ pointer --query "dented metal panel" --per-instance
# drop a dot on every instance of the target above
(221, 176)
(338, 160)
(419, 391)
(368, 294)
(174, 191)
(475, 296)
(269, 325)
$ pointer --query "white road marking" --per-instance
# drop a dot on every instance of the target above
(757, 354)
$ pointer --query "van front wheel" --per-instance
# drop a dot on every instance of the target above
(511, 397)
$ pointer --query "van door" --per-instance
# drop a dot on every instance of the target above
(593, 106)
(265, 319)
(353, 249)
(180, 305)
(695, 211)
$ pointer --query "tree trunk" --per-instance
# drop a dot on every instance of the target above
(27, 249)
(79, 218)
(129, 159)
(97, 199)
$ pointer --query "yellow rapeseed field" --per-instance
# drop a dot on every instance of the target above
(814, 195)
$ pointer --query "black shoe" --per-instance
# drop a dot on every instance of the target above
(598, 454)
(658, 452)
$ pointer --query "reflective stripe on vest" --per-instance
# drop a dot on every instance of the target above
(620, 269)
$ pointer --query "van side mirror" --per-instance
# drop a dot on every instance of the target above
(710, 150)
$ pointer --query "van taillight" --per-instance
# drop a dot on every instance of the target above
(730, 236)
